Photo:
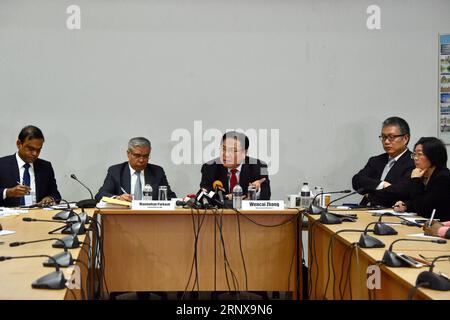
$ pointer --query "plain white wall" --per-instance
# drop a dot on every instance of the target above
(310, 69)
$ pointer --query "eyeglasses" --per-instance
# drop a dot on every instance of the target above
(390, 137)
(231, 151)
(416, 155)
(140, 156)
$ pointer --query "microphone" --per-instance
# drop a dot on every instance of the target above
(382, 229)
(63, 259)
(219, 189)
(189, 201)
(431, 280)
(82, 218)
(347, 195)
(203, 199)
(367, 241)
(315, 209)
(27, 219)
(391, 259)
(87, 203)
(65, 214)
(336, 218)
(69, 228)
(54, 280)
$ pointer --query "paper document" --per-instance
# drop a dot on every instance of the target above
(422, 235)
(63, 206)
(392, 212)
(6, 232)
(110, 203)
(5, 212)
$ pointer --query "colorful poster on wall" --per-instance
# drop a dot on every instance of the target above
(444, 87)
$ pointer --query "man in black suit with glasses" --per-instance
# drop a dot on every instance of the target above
(385, 177)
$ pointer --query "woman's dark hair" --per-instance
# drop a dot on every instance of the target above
(434, 149)
(30, 132)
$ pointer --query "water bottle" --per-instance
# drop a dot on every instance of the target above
(319, 199)
(33, 197)
(147, 192)
(162, 193)
(251, 193)
(305, 195)
(237, 197)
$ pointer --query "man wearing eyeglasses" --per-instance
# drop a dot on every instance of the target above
(24, 178)
(125, 181)
(235, 167)
(385, 177)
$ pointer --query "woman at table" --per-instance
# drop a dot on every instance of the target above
(429, 186)
(438, 229)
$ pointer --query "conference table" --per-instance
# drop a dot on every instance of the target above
(17, 275)
(179, 250)
(186, 250)
(356, 273)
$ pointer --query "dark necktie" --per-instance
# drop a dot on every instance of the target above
(233, 179)
(26, 180)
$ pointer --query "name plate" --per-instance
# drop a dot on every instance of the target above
(152, 205)
(263, 205)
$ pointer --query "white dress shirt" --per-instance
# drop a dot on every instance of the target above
(20, 164)
(238, 174)
(381, 185)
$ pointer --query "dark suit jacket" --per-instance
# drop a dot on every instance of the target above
(447, 234)
(119, 176)
(399, 175)
(44, 180)
(435, 195)
(251, 170)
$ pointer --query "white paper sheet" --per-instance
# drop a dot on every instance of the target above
(421, 235)
(6, 232)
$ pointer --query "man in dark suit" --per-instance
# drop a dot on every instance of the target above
(385, 178)
(24, 178)
(235, 167)
(125, 181)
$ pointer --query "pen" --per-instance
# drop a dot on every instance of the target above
(431, 219)
(422, 261)
(123, 190)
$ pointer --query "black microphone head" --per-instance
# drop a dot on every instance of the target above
(441, 241)
(347, 191)
(73, 176)
(15, 244)
(27, 219)
(180, 203)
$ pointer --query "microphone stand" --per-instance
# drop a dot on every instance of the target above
(63, 259)
(391, 259)
(87, 203)
(54, 280)
(431, 280)
(65, 214)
